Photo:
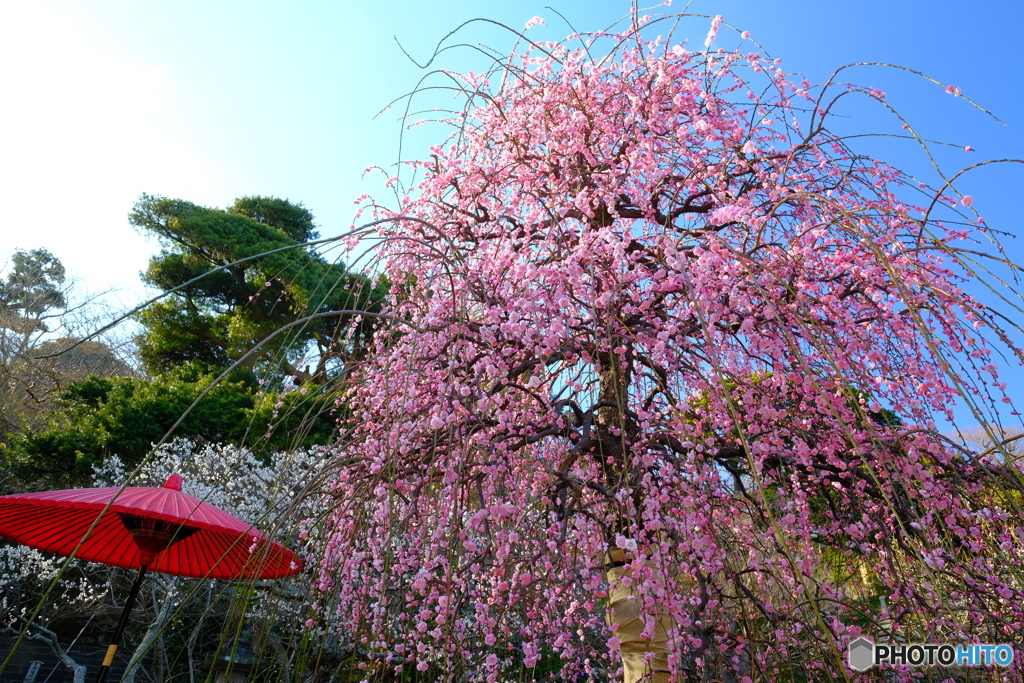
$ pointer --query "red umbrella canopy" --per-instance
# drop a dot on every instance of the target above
(169, 531)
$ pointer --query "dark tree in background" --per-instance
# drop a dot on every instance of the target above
(31, 297)
(39, 318)
(33, 288)
(218, 319)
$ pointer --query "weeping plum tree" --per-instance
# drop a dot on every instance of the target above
(668, 388)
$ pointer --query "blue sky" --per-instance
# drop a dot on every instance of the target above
(209, 100)
(215, 99)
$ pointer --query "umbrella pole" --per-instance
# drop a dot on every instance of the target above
(112, 648)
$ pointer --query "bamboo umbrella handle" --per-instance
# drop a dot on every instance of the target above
(108, 660)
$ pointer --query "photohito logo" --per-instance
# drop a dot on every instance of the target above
(863, 654)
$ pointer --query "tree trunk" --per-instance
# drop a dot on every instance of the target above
(190, 646)
(282, 656)
(162, 617)
(77, 670)
(643, 659)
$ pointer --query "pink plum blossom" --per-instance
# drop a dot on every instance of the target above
(653, 369)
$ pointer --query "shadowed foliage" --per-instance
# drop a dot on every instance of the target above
(220, 317)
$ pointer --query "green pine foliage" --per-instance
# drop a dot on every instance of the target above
(218, 319)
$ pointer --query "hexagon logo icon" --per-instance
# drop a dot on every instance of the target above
(861, 654)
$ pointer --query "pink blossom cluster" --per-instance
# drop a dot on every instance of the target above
(654, 307)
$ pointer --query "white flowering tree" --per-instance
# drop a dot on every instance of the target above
(256, 491)
(25, 575)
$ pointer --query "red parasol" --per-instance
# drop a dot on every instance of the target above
(146, 528)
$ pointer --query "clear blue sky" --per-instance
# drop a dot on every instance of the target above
(208, 100)
(213, 99)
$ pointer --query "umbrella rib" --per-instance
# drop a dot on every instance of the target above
(51, 531)
(222, 546)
